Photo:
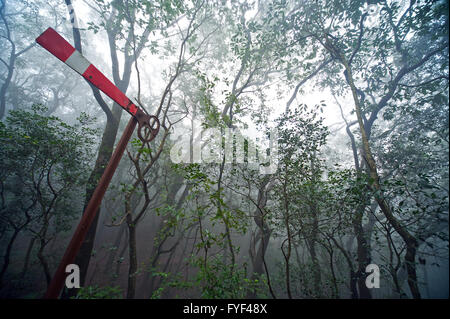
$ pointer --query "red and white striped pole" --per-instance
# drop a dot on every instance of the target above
(53, 42)
(62, 49)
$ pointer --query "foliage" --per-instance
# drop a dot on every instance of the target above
(43, 163)
(42, 160)
(96, 292)
(218, 280)
(367, 186)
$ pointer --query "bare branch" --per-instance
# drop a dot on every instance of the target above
(403, 71)
(442, 77)
(319, 68)
(25, 49)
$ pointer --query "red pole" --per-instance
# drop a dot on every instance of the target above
(54, 43)
(57, 283)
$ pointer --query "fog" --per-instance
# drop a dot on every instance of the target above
(298, 149)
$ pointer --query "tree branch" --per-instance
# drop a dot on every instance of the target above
(319, 68)
(403, 71)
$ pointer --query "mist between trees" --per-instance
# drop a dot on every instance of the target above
(358, 95)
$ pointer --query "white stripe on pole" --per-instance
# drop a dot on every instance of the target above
(78, 62)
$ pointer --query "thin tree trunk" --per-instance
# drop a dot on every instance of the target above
(115, 248)
(335, 290)
(43, 261)
(264, 231)
(11, 62)
(121, 257)
(312, 250)
(363, 254)
(287, 255)
(12, 59)
(132, 270)
(5, 85)
(6, 257)
(27, 257)
(353, 277)
(155, 252)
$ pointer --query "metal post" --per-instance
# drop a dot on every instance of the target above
(57, 283)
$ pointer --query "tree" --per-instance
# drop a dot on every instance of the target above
(301, 136)
(119, 21)
(321, 25)
(15, 48)
(42, 164)
(362, 172)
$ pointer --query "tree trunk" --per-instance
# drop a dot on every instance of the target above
(363, 253)
(12, 59)
(5, 85)
(7, 255)
(353, 284)
(363, 243)
(410, 241)
(334, 290)
(132, 270)
(106, 148)
(121, 257)
(107, 143)
(44, 262)
(27, 257)
(264, 231)
(312, 251)
(353, 277)
(112, 255)
(287, 255)
(155, 254)
(10, 66)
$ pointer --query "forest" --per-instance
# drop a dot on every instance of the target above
(302, 152)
